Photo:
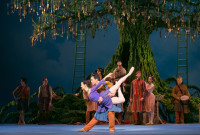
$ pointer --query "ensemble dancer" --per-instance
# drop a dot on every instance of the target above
(91, 106)
(23, 98)
(44, 100)
(100, 73)
(150, 100)
(119, 72)
(107, 109)
(137, 95)
(181, 96)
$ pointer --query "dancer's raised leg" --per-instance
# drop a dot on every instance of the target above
(114, 88)
(120, 99)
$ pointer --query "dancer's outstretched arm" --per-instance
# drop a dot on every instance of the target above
(114, 88)
(98, 85)
(120, 99)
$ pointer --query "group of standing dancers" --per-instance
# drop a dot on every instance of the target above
(44, 100)
(105, 98)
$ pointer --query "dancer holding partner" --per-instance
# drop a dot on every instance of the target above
(105, 99)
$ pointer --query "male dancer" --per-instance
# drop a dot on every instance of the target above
(44, 100)
(23, 98)
(137, 95)
(91, 107)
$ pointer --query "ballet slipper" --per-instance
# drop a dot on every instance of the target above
(82, 130)
(111, 131)
(131, 71)
(24, 123)
(150, 123)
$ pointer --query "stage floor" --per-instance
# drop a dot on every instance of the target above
(186, 129)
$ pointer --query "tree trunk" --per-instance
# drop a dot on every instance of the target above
(134, 50)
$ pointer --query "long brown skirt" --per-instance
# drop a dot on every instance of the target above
(178, 107)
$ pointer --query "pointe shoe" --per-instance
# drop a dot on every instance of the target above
(82, 130)
(111, 131)
(150, 123)
(131, 70)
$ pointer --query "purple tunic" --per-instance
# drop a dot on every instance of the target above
(94, 96)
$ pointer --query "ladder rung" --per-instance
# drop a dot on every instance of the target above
(182, 47)
(181, 34)
(77, 83)
(80, 46)
(79, 71)
(80, 52)
(80, 58)
(79, 65)
(182, 59)
(181, 53)
(182, 65)
(80, 62)
(80, 40)
(181, 72)
(181, 40)
(81, 34)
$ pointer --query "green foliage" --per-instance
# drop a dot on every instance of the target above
(61, 90)
(13, 116)
(68, 109)
(5, 108)
(170, 80)
(195, 90)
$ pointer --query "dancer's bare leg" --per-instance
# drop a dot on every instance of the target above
(20, 118)
(120, 99)
(151, 117)
(114, 88)
(23, 122)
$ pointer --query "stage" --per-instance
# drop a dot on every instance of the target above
(186, 129)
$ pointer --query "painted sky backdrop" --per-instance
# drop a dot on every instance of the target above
(55, 58)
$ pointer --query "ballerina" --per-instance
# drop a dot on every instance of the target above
(150, 100)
